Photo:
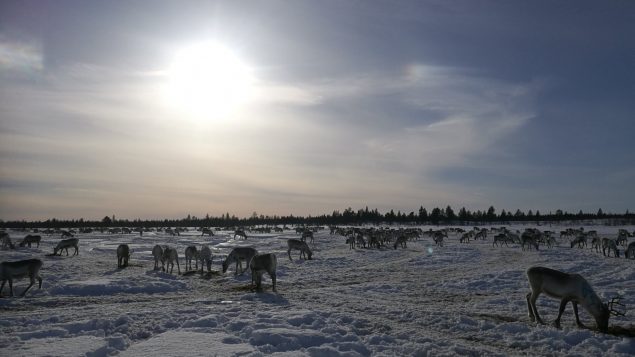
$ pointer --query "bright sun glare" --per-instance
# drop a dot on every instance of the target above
(209, 81)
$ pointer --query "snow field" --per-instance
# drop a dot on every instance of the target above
(460, 299)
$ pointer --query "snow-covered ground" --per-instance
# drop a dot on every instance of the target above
(460, 299)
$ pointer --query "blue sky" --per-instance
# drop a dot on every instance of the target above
(526, 105)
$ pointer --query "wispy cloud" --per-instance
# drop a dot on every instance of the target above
(20, 58)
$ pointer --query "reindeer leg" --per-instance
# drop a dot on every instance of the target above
(532, 300)
(177, 265)
(10, 287)
(28, 287)
(563, 304)
(2, 287)
(530, 310)
(577, 318)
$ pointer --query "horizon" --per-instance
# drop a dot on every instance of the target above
(163, 109)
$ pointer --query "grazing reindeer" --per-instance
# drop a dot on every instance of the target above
(67, 234)
(295, 244)
(401, 240)
(169, 256)
(28, 240)
(123, 254)
(567, 287)
(20, 269)
(630, 251)
(205, 256)
(240, 233)
(207, 231)
(260, 264)
(611, 246)
(191, 254)
(65, 244)
(157, 252)
(238, 255)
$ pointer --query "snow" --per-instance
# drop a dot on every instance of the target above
(424, 300)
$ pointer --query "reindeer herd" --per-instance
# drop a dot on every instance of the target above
(561, 285)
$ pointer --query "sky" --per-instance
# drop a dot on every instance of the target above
(305, 107)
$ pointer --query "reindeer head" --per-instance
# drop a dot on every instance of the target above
(608, 309)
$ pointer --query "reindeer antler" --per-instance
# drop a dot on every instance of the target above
(616, 301)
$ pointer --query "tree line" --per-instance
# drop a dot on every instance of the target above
(435, 216)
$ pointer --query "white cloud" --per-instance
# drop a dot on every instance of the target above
(20, 57)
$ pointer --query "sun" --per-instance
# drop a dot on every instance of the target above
(209, 80)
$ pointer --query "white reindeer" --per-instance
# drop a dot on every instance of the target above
(295, 244)
(65, 244)
(191, 254)
(169, 256)
(157, 252)
(238, 255)
(18, 270)
(567, 287)
(205, 256)
(260, 264)
(123, 254)
(30, 239)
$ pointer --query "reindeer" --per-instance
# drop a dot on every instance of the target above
(240, 233)
(529, 240)
(622, 238)
(6, 241)
(401, 240)
(207, 231)
(295, 244)
(238, 255)
(261, 263)
(580, 241)
(191, 254)
(500, 239)
(438, 237)
(630, 251)
(123, 254)
(567, 287)
(18, 270)
(205, 256)
(307, 234)
(611, 246)
(169, 256)
(65, 244)
(67, 234)
(157, 252)
(28, 240)
(596, 243)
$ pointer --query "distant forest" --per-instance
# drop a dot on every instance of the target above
(436, 216)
